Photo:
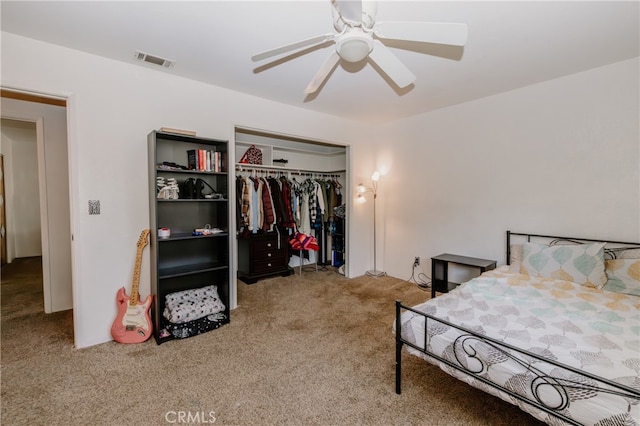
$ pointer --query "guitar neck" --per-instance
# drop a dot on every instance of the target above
(142, 242)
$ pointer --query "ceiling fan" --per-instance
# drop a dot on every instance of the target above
(359, 37)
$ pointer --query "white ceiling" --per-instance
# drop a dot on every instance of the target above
(511, 44)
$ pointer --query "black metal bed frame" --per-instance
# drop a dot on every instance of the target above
(464, 351)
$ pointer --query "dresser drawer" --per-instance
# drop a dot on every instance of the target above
(262, 244)
(268, 266)
(259, 256)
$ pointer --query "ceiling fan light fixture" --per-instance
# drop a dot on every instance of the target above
(360, 37)
(354, 47)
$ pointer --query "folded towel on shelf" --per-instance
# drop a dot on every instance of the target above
(190, 305)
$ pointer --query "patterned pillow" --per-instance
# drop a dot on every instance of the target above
(623, 276)
(581, 264)
(192, 295)
(190, 305)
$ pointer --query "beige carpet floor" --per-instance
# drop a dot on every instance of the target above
(310, 350)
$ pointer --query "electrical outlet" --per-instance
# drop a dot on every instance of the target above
(416, 261)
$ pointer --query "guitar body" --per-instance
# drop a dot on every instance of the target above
(133, 322)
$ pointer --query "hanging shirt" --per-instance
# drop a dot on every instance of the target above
(310, 189)
(253, 206)
(241, 209)
(267, 207)
(257, 186)
(288, 221)
(276, 197)
(296, 200)
(321, 202)
(246, 202)
(305, 223)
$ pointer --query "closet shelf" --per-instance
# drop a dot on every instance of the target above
(191, 172)
(312, 148)
(241, 167)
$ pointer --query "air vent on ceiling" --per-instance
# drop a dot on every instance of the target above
(155, 60)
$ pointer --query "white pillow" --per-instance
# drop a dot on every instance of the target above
(515, 258)
(582, 264)
(623, 276)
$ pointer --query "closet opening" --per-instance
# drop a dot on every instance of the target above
(285, 185)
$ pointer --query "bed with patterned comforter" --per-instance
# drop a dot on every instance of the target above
(572, 349)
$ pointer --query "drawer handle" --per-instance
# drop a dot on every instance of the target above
(268, 254)
(268, 244)
(268, 264)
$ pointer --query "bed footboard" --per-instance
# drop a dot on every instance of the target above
(548, 392)
(399, 344)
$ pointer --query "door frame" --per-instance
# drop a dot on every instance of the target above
(65, 101)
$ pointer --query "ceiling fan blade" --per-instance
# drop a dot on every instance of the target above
(391, 65)
(323, 73)
(425, 32)
(350, 10)
(293, 46)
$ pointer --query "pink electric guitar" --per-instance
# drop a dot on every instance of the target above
(133, 323)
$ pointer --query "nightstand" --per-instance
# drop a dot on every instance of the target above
(440, 270)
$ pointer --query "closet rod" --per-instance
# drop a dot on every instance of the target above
(243, 167)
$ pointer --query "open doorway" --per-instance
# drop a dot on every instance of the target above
(37, 208)
(22, 236)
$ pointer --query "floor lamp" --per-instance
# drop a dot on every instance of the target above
(361, 199)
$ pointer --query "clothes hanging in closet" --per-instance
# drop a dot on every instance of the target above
(264, 202)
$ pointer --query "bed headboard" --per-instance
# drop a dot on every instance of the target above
(611, 247)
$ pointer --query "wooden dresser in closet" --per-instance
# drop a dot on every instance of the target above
(262, 255)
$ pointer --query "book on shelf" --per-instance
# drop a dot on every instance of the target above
(192, 159)
(205, 160)
(216, 161)
(177, 131)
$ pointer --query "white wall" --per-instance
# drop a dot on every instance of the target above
(21, 189)
(112, 106)
(560, 157)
